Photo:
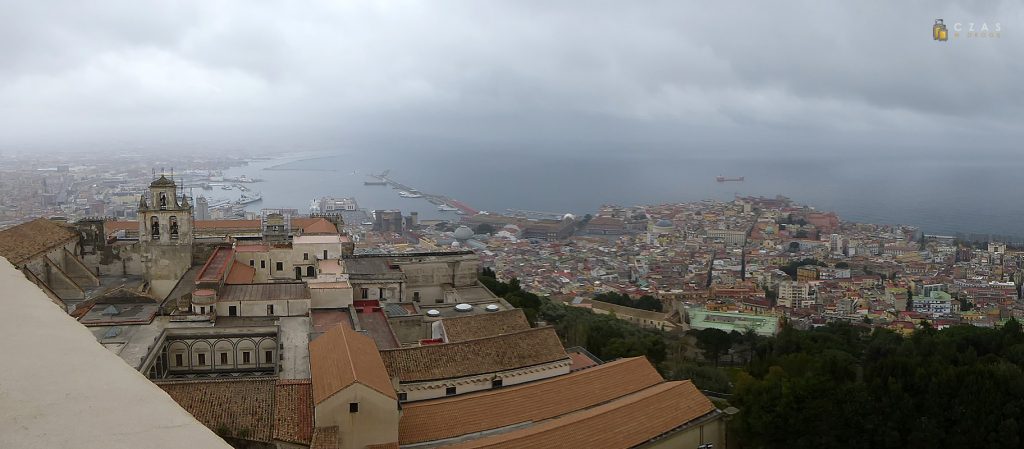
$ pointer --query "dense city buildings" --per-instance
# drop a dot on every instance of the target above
(278, 333)
(290, 330)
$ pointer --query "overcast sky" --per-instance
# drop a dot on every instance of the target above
(800, 77)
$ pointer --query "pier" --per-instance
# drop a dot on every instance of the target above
(431, 197)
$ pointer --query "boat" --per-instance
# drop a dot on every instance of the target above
(244, 178)
(447, 208)
(375, 183)
(724, 179)
(226, 188)
(405, 194)
(246, 199)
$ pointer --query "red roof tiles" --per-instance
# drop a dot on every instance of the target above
(23, 242)
(633, 420)
(473, 357)
(531, 402)
(241, 274)
(293, 411)
(341, 357)
(243, 408)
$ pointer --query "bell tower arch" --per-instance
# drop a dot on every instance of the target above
(165, 235)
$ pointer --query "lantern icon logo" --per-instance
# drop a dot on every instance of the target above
(939, 31)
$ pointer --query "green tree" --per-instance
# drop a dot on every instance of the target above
(484, 228)
(713, 343)
(648, 302)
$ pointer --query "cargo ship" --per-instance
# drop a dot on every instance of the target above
(246, 199)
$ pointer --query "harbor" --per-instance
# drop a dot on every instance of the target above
(443, 203)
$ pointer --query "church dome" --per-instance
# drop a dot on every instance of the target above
(463, 233)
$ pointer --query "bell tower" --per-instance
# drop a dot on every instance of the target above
(165, 235)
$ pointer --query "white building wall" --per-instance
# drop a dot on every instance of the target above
(418, 391)
(376, 422)
(282, 307)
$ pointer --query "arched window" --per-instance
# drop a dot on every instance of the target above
(163, 200)
(173, 225)
(155, 227)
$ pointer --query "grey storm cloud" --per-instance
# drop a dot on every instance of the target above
(792, 74)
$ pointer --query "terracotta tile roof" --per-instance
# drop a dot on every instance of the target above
(315, 225)
(325, 319)
(581, 361)
(341, 357)
(485, 355)
(241, 406)
(21, 243)
(535, 401)
(214, 268)
(623, 423)
(264, 292)
(484, 325)
(252, 248)
(203, 225)
(240, 274)
(325, 438)
(293, 411)
(110, 227)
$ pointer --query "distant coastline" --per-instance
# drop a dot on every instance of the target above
(938, 198)
(282, 165)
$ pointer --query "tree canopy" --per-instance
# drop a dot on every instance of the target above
(484, 228)
(645, 302)
(848, 386)
(791, 267)
(713, 342)
(605, 336)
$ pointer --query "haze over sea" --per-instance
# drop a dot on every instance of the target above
(941, 196)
